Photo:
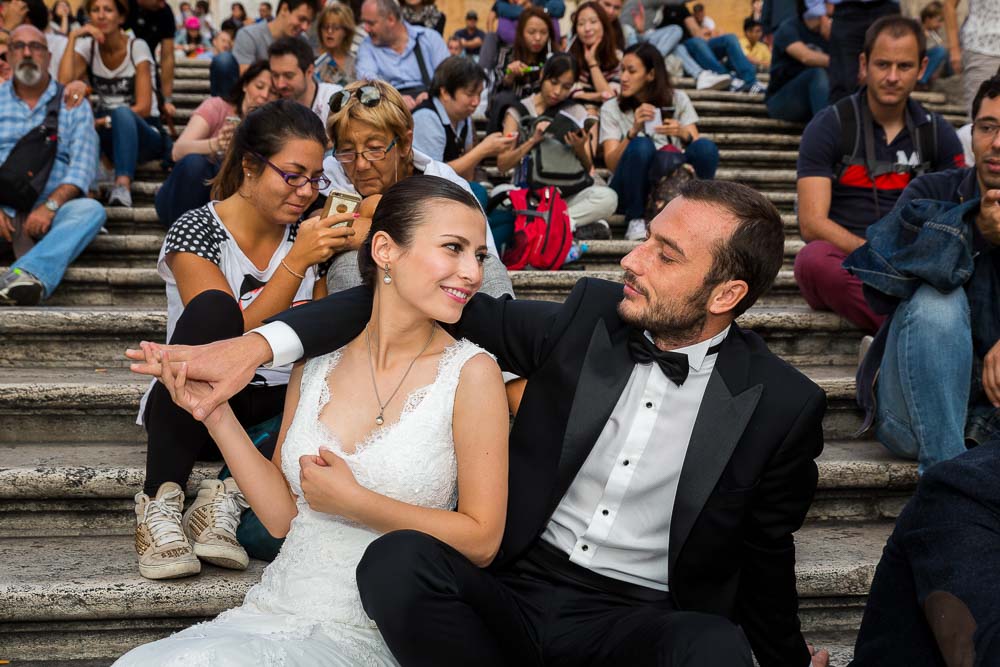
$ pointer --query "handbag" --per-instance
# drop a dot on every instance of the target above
(26, 170)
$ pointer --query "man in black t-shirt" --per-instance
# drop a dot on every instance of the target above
(471, 37)
(153, 22)
(838, 197)
(799, 87)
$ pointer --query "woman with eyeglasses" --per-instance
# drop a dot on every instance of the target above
(372, 134)
(229, 265)
(338, 47)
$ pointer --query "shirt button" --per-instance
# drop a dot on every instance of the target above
(625, 462)
(584, 547)
(649, 404)
(604, 512)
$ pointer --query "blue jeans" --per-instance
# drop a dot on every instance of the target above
(711, 53)
(667, 40)
(129, 141)
(801, 98)
(924, 379)
(185, 189)
(75, 225)
(640, 158)
(222, 74)
(936, 57)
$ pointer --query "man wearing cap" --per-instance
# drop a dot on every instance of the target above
(470, 37)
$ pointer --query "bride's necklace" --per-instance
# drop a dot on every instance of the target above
(379, 420)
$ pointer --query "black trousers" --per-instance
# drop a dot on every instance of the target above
(175, 439)
(435, 608)
(847, 39)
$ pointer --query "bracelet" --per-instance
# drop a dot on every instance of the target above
(593, 65)
(297, 275)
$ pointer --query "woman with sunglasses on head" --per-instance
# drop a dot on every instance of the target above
(403, 428)
(198, 152)
(372, 134)
(229, 265)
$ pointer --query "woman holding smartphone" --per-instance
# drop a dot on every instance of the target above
(228, 266)
(650, 129)
(199, 150)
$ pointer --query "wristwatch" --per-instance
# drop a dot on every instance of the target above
(52, 205)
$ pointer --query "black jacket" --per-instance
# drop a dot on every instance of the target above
(747, 480)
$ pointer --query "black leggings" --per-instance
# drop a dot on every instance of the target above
(176, 439)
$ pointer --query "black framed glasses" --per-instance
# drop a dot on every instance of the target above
(986, 128)
(37, 48)
(369, 96)
(296, 180)
(371, 154)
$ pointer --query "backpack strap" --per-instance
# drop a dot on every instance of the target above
(424, 76)
(51, 121)
(925, 141)
(847, 113)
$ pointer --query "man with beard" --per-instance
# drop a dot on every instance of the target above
(935, 265)
(661, 459)
(855, 159)
(49, 234)
(291, 63)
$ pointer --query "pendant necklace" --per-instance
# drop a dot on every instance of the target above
(379, 420)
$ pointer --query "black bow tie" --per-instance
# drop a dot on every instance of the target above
(673, 364)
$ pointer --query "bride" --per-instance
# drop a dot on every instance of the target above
(390, 432)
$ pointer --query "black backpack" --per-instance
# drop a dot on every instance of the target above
(26, 171)
(552, 161)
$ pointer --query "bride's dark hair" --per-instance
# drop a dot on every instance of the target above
(401, 210)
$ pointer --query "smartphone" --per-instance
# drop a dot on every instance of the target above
(341, 202)
(666, 113)
(650, 127)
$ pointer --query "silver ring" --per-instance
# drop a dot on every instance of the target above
(76, 97)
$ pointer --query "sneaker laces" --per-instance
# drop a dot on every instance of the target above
(227, 508)
(163, 519)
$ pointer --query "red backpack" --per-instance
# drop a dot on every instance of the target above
(542, 235)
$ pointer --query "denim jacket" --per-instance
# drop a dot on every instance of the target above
(934, 242)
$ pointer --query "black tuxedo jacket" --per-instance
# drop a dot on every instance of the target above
(747, 479)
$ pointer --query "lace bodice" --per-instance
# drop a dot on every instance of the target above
(411, 460)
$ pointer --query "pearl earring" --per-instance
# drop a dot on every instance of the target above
(387, 279)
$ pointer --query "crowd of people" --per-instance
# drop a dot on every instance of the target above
(338, 154)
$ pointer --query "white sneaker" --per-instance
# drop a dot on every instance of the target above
(736, 85)
(164, 552)
(211, 522)
(636, 230)
(866, 342)
(709, 80)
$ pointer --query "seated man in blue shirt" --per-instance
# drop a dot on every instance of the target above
(50, 233)
(401, 54)
(442, 124)
(938, 360)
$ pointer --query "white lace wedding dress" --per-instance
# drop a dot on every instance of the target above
(306, 610)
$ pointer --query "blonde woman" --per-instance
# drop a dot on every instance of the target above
(336, 31)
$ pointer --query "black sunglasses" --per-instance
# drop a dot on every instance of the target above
(369, 96)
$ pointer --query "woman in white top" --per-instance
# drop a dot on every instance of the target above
(122, 73)
(649, 129)
(229, 265)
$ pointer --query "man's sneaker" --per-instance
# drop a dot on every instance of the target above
(636, 230)
(866, 342)
(736, 85)
(754, 88)
(599, 230)
(20, 288)
(709, 80)
(164, 552)
(211, 522)
(120, 196)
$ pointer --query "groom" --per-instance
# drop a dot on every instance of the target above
(660, 461)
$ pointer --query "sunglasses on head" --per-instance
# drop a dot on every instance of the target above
(369, 96)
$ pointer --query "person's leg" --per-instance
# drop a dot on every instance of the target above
(936, 56)
(175, 439)
(150, 141)
(185, 189)
(125, 142)
(826, 285)
(976, 68)
(74, 226)
(703, 155)
(796, 100)
(691, 66)
(632, 190)
(818, 85)
(728, 47)
(924, 378)
(223, 74)
(666, 39)
(434, 607)
(591, 204)
(702, 53)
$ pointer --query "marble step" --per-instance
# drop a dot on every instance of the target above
(95, 336)
(98, 404)
(62, 586)
(85, 488)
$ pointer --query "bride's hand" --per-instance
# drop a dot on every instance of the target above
(328, 485)
(187, 393)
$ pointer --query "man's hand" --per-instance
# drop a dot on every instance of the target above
(6, 227)
(639, 17)
(38, 222)
(227, 365)
(169, 109)
(991, 375)
(497, 142)
(820, 658)
(955, 58)
(988, 219)
(409, 102)
(328, 484)
(187, 393)
(74, 94)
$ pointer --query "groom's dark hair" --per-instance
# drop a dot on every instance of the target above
(401, 211)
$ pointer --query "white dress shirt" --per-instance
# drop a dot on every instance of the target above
(615, 516)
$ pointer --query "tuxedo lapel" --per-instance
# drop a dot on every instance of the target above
(726, 408)
(606, 369)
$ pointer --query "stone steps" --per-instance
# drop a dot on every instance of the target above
(87, 590)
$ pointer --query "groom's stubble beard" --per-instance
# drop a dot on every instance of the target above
(677, 321)
(28, 73)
